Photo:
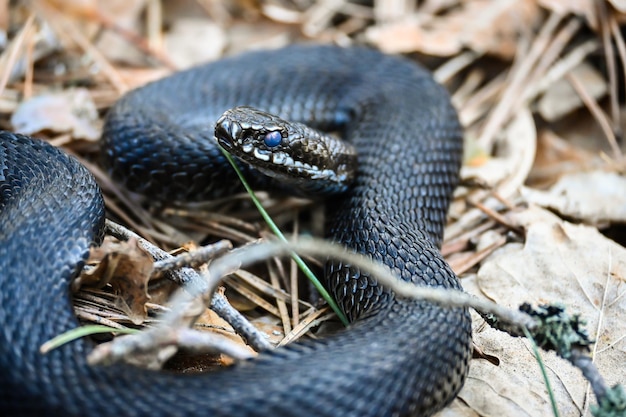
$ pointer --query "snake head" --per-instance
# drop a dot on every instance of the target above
(303, 159)
(251, 131)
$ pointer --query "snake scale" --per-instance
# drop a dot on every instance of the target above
(399, 357)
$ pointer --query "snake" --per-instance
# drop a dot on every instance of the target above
(398, 357)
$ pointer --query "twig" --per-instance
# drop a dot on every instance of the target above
(621, 50)
(598, 114)
(604, 22)
(196, 285)
(183, 276)
(493, 214)
(251, 254)
(242, 326)
(61, 23)
(560, 68)
(9, 58)
(191, 259)
(308, 322)
(153, 347)
(510, 96)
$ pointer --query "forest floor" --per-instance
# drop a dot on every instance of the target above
(539, 217)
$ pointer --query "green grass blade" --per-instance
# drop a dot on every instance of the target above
(301, 264)
(544, 373)
(79, 332)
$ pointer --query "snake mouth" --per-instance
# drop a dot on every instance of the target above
(224, 143)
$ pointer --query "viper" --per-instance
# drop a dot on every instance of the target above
(399, 357)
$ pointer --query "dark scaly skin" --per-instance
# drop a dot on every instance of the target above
(402, 358)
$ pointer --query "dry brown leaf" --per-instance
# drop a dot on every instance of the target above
(69, 111)
(91, 16)
(557, 156)
(561, 98)
(409, 35)
(457, 409)
(4, 20)
(182, 45)
(78, 8)
(559, 262)
(515, 387)
(125, 15)
(481, 25)
(136, 77)
(127, 268)
(508, 170)
(211, 321)
(594, 197)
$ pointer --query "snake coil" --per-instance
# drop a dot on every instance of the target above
(400, 357)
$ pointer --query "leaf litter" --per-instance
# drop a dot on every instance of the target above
(537, 85)
(126, 268)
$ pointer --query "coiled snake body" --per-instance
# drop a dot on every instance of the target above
(400, 357)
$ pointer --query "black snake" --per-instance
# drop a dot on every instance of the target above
(400, 357)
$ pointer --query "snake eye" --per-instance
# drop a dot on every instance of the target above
(272, 139)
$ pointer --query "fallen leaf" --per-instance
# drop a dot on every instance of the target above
(185, 51)
(561, 99)
(71, 111)
(508, 169)
(515, 387)
(481, 25)
(409, 35)
(127, 268)
(559, 263)
(557, 156)
(594, 197)
(210, 321)
(124, 14)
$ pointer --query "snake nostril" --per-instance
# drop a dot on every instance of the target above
(227, 131)
(223, 132)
